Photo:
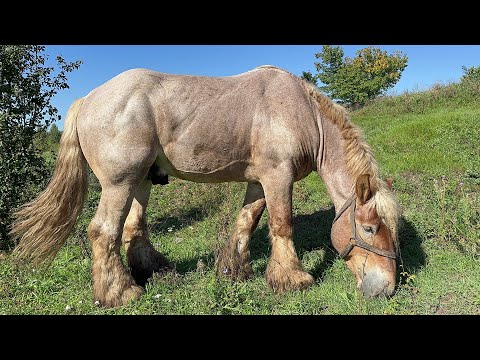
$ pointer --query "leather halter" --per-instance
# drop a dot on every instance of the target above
(354, 240)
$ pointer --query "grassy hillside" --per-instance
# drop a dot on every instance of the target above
(428, 142)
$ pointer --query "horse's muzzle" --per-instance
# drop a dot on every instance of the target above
(377, 283)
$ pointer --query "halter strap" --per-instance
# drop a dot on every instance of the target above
(354, 240)
(345, 207)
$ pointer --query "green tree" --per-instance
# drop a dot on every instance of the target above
(355, 80)
(26, 87)
(471, 74)
(54, 134)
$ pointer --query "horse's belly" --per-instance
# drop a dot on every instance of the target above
(200, 164)
(233, 172)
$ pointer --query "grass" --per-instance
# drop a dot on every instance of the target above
(427, 141)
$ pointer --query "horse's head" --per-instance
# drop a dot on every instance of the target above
(365, 236)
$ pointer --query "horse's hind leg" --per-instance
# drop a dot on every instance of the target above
(234, 259)
(112, 284)
(142, 257)
(284, 271)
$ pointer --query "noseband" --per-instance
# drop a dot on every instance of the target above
(354, 240)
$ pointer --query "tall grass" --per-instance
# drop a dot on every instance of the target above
(453, 95)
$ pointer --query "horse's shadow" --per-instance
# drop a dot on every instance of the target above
(412, 254)
(312, 232)
(162, 225)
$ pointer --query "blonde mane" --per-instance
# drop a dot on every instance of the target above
(359, 158)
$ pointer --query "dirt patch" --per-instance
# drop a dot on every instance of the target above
(444, 307)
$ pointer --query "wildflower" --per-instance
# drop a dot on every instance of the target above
(68, 308)
(80, 302)
(97, 303)
(461, 183)
(157, 296)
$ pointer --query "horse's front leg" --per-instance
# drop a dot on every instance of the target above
(284, 271)
(234, 258)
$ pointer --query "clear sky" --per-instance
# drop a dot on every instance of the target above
(427, 64)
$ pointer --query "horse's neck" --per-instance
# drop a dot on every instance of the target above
(332, 165)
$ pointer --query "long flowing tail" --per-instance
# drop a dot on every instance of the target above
(42, 226)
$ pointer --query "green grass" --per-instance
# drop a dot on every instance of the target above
(429, 143)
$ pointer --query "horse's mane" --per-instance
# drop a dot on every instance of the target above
(359, 158)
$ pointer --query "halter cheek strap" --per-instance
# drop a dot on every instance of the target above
(354, 240)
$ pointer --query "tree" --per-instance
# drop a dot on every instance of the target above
(54, 134)
(355, 80)
(26, 87)
(470, 74)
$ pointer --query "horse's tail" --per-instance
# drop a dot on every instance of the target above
(42, 226)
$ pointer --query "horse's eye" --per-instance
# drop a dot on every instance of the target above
(368, 229)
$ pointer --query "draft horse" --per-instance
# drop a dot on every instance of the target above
(265, 127)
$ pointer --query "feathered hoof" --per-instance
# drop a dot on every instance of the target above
(284, 278)
(234, 266)
(119, 297)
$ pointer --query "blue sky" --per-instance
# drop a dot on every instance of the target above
(427, 64)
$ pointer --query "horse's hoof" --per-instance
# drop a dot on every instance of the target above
(281, 280)
(234, 266)
(112, 300)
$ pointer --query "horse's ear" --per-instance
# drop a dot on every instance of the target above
(389, 182)
(363, 188)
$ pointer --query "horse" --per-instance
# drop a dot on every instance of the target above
(266, 127)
